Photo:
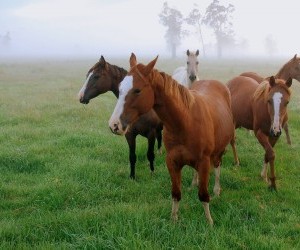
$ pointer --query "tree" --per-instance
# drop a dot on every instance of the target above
(218, 18)
(173, 20)
(270, 45)
(195, 18)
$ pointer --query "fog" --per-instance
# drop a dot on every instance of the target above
(89, 28)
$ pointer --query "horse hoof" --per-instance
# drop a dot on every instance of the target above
(272, 188)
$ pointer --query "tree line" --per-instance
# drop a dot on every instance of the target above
(217, 17)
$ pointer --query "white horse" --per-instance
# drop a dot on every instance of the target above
(187, 75)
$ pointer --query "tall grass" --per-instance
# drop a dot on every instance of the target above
(65, 184)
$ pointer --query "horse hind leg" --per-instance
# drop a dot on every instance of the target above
(286, 130)
(159, 139)
(234, 150)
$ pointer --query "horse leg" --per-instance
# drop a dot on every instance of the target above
(150, 152)
(235, 155)
(159, 138)
(269, 156)
(195, 180)
(203, 171)
(286, 130)
(217, 170)
(132, 156)
(175, 174)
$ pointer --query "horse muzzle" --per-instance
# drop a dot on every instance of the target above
(118, 129)
(274, 133)
(192, 78)
(83, 100)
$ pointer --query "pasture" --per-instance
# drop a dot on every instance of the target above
(65, 183)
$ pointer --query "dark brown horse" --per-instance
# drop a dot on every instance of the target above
(263, 109)
(289, 69)
(198, 123)
(103, 77)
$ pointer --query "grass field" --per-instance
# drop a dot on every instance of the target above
(65, 184)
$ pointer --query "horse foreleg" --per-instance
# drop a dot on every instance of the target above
(150, 152)
(286, 130)
(269, 156)
(132, 156)
(235, 155)
(159, 138)
(264, 171)
(175, 174)
(203, 170)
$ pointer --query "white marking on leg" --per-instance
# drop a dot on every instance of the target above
(124, 87)
(276, 101)
(207, 213)
(195, 181)
(217, 187)
(175, 207)
(264, 172)
(81, 91)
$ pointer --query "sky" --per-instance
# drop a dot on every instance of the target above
(82, 28)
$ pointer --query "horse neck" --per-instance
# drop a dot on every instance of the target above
(171, 100)
(284, 73)
(118, 75)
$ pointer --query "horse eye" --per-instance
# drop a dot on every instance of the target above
(96, 77)
(197, 63)
(187, 63)
(137, 91)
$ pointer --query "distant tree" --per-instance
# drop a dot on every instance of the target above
(173, 20)
(195, 19)
(270, 45)
(218, 18)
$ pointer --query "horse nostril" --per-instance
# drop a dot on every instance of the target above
(192, 77)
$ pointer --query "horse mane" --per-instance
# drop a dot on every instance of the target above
(264, 87)
(117, 72)
(178, 91)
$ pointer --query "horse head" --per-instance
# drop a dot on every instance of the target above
(98, 81)
(136, 96)
(295, 68)
(278, 98)
(192, 65)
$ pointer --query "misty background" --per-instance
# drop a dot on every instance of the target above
(89, 28)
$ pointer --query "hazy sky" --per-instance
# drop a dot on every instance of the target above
(119, 27)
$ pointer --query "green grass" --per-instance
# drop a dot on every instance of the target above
(65, 184)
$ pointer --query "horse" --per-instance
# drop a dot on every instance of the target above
(289, 69)
(103, 77)
(198, 123)
(263, 109)
(187, 75)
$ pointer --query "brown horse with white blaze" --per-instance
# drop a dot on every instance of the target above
(263, 109)
(198, 123)
(289, 69)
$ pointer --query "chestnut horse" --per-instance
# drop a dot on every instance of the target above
(289, 69)
(103, 77)
(187, 75)
(198, 123)
(263, 109)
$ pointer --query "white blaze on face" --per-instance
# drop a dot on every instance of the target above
(125, 86)
(81, 92)
(276, 101)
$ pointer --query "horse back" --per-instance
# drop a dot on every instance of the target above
(242, 89)
(254, 76)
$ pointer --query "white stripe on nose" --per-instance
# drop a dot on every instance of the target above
(114, 121)
(276, 101)
(81, 91)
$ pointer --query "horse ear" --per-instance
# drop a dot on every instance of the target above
(197, 52)
(295, 57)
(102, 59)
(289, 82)
(188, 52)
(272, 81)
(103, 62)
(132, 60)
(146, 71)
